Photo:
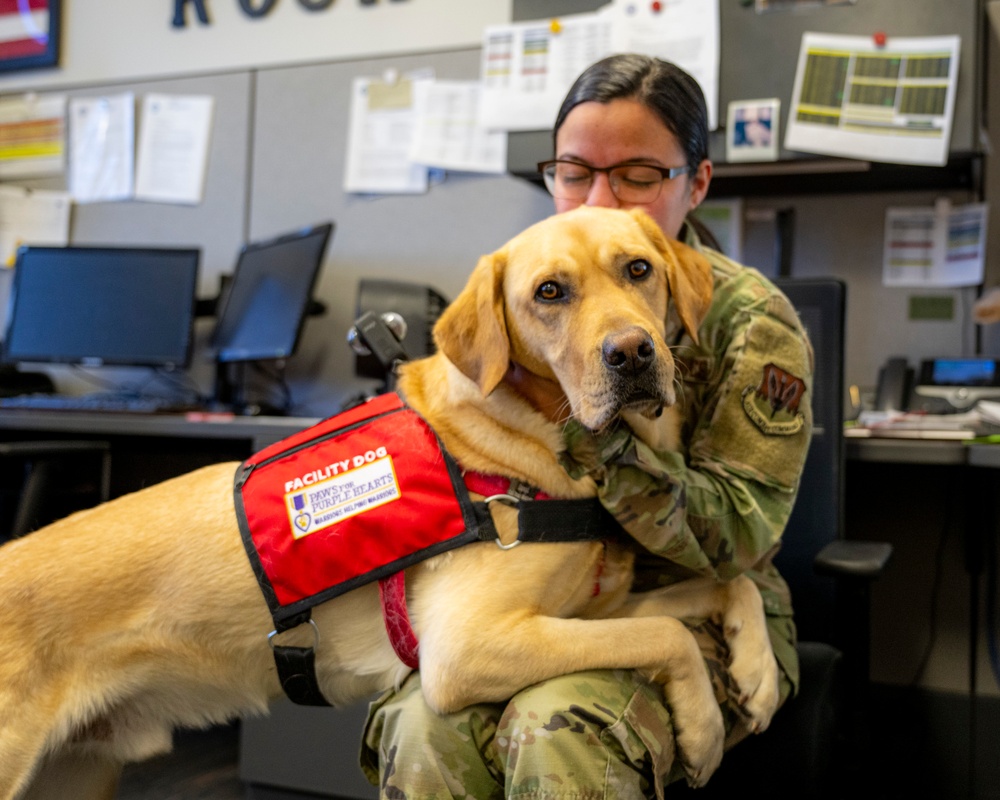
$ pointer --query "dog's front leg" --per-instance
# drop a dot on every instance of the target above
(493, 660)
(737, 606)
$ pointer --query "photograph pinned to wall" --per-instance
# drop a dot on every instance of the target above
(29, 34)
(752, 130)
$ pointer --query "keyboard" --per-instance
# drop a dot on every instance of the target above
(96, 403)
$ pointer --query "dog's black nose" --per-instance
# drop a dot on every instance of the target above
(629, 352)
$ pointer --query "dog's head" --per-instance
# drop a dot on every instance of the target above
(581, 298)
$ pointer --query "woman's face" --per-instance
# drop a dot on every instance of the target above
(626, 131)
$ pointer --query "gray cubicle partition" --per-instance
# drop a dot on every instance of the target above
(300, 143)
(758, 55)
(218, 224)
(277, 163)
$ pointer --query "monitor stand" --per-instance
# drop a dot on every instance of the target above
(230, 392)
(230, 383)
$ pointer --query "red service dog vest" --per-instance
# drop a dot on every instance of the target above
(355, 498)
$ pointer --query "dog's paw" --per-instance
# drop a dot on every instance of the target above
(754, 670)
(700, 738)
(757, 680)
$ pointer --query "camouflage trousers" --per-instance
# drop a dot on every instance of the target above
(593, 735)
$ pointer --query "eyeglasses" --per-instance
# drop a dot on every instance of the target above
(631, 183)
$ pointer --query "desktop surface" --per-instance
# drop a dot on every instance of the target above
(101, 402)
(260, 431)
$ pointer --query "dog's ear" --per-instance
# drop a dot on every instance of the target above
(472, 331)
(689, 275)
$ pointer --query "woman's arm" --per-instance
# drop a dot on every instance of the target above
(720, 507)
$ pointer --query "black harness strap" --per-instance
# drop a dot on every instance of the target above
(552, 520)
(297, 674)
(547, 520)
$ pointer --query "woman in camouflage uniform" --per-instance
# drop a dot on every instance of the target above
(716, 508)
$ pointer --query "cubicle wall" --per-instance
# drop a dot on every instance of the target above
(277, 162)
(434, 238)
(218, 224)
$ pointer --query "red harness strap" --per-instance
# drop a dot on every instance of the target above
(392, 594)
(490, 485)
(392, 589)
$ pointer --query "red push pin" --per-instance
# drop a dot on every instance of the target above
(657, 7)
(879, 38)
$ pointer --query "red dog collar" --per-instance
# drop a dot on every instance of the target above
(493, 485)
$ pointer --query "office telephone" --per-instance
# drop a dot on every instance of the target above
(939, 386)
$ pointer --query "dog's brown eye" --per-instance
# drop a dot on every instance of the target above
(639, 269)
(549, 291)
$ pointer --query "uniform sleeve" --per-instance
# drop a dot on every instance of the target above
(721, 506)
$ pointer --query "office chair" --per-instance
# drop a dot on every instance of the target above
(417, 304)
(817, 742)
(40, 476)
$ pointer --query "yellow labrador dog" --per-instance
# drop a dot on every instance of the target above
(123, 622)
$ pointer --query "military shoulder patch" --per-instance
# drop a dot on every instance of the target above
(773, 405)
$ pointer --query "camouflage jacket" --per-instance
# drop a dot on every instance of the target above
(718, 506)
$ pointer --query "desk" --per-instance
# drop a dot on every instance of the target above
(979, 523)
(149, 448)
(258, 432)
(909, 451)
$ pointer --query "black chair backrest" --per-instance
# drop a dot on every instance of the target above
(817, 518)
(419, 305)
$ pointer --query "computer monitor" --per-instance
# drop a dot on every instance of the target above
(96, 306)
(265, 305)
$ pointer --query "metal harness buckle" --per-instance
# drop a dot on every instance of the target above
(509, 500)
(315, 627)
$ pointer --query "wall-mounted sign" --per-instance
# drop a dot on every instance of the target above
(252, 8)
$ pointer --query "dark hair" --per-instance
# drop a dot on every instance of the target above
(667, 90)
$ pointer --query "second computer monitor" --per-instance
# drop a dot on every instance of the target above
(265, 305)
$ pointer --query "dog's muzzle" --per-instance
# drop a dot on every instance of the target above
(636, 372)
(629, 353)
